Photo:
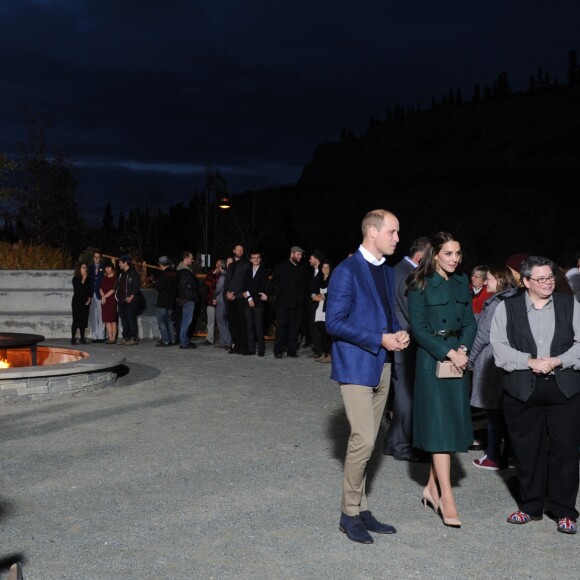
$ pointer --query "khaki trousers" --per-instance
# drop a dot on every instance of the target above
(364, 408)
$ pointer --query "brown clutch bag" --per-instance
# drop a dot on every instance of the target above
(447, 370)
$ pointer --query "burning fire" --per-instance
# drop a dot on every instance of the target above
(4, 364)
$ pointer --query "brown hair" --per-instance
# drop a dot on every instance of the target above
(426, 267)
(504, 276)
(375, 218)
(77, 271)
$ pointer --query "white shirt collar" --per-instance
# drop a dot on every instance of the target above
(370, 258)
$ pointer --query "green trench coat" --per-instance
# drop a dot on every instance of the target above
(441, 410)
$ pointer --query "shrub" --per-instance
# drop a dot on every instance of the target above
(22, 256)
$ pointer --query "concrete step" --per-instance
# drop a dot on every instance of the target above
(48, 324)
(57, 324)
(36, 279)
(36, 300)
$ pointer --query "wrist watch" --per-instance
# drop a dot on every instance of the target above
(463, 348)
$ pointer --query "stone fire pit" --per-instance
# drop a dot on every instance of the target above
(59, 371)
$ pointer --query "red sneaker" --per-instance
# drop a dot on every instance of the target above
(486, 463)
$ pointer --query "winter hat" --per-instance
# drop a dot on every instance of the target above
(515, 261)
(319, 255)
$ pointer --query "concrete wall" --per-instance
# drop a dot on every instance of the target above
(39, 302)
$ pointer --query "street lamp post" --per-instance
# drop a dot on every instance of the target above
(217, 184)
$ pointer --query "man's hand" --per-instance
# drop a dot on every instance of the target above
(398, 341)
(403, 338)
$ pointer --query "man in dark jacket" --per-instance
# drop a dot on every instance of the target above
(289, 284)
(315, 276)
(255, 284)
(399, 438)
(187, 291)
(127, 295)
(166, 299)
(235, 302)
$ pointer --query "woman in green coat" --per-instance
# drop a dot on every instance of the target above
(444, 327)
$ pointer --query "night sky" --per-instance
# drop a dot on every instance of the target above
(144, 94)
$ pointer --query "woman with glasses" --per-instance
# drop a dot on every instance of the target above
(535, 337)
(478, 287)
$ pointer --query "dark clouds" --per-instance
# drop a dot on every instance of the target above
(145, 93)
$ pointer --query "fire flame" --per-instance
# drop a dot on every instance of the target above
(4, 364)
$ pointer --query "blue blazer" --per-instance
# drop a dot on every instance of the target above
(95, 279)
(356, 319)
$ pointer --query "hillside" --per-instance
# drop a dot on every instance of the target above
(495, 172)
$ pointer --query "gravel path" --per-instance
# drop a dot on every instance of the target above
(201, 464)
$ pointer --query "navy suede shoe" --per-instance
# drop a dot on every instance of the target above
(371, 524)
(354, 529)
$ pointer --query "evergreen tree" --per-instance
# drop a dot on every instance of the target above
(47, 205)
(108, 221)
(6, 166)
(501, 87)
(573, 68)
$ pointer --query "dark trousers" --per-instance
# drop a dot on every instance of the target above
(315, 333)
(325, 340)
(399, 437)
(255, 325)
(496, 433)
(544, 433)
(235, 310)
(288, 321)
(128, 315)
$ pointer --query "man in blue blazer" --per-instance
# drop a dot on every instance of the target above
(96, 274)
(360, 316)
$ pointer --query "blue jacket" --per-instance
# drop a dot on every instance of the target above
(95, 279)
(356, 319)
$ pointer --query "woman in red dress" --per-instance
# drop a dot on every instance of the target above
(108, 302)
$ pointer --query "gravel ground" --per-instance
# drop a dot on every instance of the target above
(201, 464)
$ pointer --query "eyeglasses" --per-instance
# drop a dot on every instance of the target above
(544, 279)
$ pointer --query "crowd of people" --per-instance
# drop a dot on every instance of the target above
(238, 295)
(419, 344)
(101, 297)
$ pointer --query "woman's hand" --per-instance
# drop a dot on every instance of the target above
(459, 358)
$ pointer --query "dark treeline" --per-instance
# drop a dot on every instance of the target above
(499, 171)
